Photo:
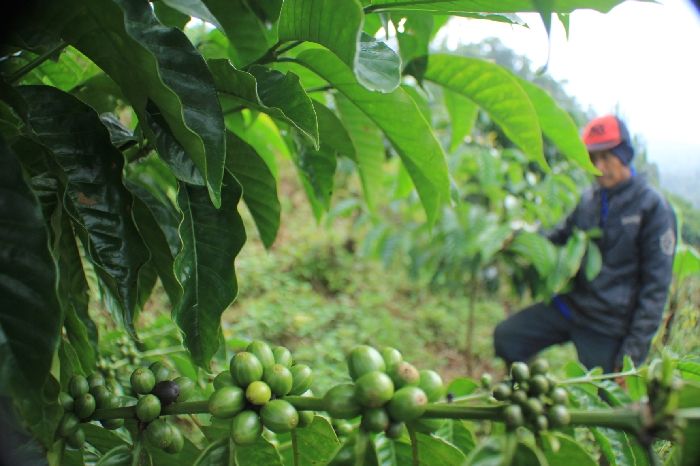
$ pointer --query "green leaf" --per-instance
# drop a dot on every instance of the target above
(264, 136)
(689, 370)
(527, 455)
(421, 100)
(335, 25)
(462, 7)
(382, 451)
(316, 169)
(169, 16)
(317, 443)
(458, 434)
(332, 131)
(497, 92)
(248, 36)
(279, 95)
(157, 217)
(151, 62)
(102, 439)
(68, 70)
(117, 456)
(216, 454)
(489, 453)
(414, 38)
(74, 292)
(431, 450)
(411, 136)
(570, 452)
(211, 239)
(594, 261)
(636, 387)
(94, 194)
(686, 262)
(30, 313)
(463, 113)
(537, 250)
(260, 452)
(461, 386)
(370, 153)
(259, 186)
(558, 126)
(195, 8)
(378, 67)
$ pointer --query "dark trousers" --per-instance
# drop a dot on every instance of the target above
(537, 327)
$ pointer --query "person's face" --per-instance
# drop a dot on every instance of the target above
(612, 169)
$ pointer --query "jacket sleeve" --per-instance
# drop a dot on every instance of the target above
(657, 248)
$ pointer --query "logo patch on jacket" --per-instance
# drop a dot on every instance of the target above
(630, 219)
(667, 241)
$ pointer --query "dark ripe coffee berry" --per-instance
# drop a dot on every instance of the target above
(167, 392)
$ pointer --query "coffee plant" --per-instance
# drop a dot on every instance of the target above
(130, 136)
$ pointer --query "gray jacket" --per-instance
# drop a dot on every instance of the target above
(628, 296)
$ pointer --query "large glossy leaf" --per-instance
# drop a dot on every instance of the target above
(269, 91)
(497, 92)
(74, 292)
(69, 70)
(411, 136)
(414, 39)
(30, 313)
(151, 62)
(260, 452)
(335, 25)
(316, 169)
(431, 450)
(537, 250)
(570, 452)
(117, 456)
(195, 8)
(259, 186)
(264, 136)
(94, 193)
(211, 240)
(458, 434)
(332, 131)
(338, 27)
(463, 113)
(248, 36)
(368, 142)
(378, 67)
(461, 7)
(558, 126)
(316, 443)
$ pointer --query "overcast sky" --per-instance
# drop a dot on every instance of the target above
(641, 58)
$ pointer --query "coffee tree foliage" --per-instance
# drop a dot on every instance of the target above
(130, 141)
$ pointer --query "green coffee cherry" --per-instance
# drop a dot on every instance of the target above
(301, 379)
(95, 379)
(159, 434)
(282, 356)
(148, 408)
(76, 439)
(279, 416)
(223, 379)
(226, 402)
(486, 381)
(513, 416)
(391, 356)
(404, 374)
(177, 440)
(340, 402)
(246, 368)
(375, 420)
(279, 378)
(539, 385)
(143, 380)
(186, 386)
(78, 385)
(395, 430)
(263, 352)
(559, 416)
(363, 359)
(431, 384)
(68, 424)
(502, 392)
(246, 428)
(374, 389)
(559, 396)
(539, 366)
(258, 393)
(66, 401)
(84, 406)
(408, 403)
(519, 372)
(161, 371)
